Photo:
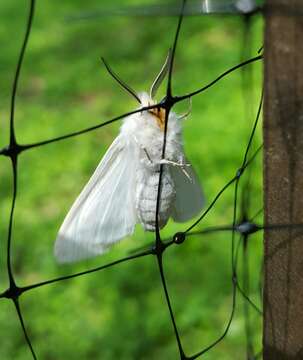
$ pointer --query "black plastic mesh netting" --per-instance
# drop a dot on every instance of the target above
(179, 267)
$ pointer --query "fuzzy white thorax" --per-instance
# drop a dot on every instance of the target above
(144, 129)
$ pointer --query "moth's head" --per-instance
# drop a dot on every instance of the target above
(158, 113)
(144, 98)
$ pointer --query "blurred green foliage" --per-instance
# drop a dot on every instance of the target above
(121, 313)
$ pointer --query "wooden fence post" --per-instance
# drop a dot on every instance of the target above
(283, 180)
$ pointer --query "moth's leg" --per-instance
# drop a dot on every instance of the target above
(174, 163)
(143, 149)
(147, 155)
(180, 164)
(181, 117)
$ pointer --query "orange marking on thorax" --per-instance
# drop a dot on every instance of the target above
(159, 113)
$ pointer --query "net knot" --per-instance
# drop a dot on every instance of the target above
(13, 292)
(247, 228)
(179, 237)
(239, 172)
(11, 150)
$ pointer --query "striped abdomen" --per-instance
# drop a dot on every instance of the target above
(146, 198)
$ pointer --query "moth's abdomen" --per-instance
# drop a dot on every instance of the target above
(146, 199)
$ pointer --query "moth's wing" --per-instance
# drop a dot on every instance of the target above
(104, 212)
(189, 196)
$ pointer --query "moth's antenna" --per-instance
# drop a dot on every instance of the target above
(183, 116)
(159, 78)
(121, 83)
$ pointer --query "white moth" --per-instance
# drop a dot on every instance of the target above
(123, 189)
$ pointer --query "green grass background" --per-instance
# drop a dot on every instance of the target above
(121, 313)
